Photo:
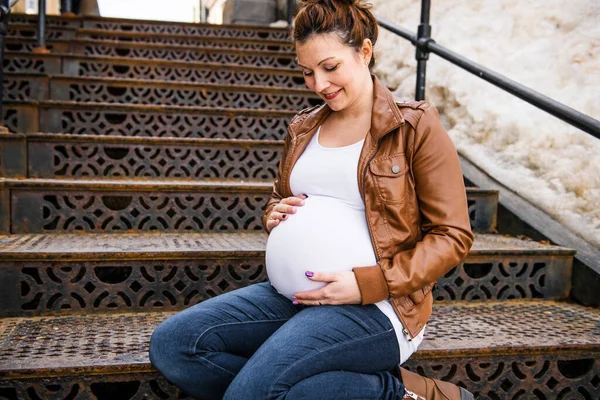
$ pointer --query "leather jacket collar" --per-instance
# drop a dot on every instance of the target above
(385, 117)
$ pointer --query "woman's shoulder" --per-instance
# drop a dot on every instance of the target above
(413, 111)
(303, 115)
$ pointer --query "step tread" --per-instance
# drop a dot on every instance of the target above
(177, 245)
(149, 61)
(51, 346)
(154, 184)
(145, 83)
(116, 107)
(158, 46)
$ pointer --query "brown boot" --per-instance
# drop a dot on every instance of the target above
(421, 388)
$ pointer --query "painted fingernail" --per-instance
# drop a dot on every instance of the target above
(294, 209)
(304, 194)
(309, 274)
(295, 302)
(284, 216)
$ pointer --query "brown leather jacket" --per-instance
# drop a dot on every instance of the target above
(415, 201)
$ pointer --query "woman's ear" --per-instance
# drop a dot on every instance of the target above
(367, 50)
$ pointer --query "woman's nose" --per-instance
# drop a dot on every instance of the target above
(321, 83)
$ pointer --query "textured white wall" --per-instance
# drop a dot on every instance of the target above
(552, 46)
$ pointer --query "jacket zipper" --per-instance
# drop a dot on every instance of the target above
(404, 330)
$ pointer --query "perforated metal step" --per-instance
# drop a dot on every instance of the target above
(150, 69)
(495, 349)
(68, 205)
(91, 273)
(30, 86)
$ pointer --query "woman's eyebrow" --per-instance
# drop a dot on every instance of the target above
(320, 62)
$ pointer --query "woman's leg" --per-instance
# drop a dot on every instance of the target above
(201, 349)
(325, 353)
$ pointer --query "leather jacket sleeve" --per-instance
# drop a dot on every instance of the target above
(446, 235)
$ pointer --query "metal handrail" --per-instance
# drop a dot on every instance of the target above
(551, 106)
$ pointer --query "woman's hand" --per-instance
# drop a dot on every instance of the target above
(341, 288)
(282, 209)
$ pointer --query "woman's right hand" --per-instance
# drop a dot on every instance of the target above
(281, 211)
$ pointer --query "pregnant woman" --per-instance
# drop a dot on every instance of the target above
(368, 210)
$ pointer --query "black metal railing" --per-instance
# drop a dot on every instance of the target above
(425, 44)
(5, 6)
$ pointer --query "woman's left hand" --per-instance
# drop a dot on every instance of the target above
(341, 288)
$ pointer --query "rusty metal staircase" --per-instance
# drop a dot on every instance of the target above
(139, 159)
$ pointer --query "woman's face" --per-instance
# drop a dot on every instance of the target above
(336, 72)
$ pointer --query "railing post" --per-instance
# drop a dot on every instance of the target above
(66, 8)
(4, 14)
(422, 54)
(290, 13)
(41, 39)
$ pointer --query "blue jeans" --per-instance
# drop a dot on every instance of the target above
(254, 344)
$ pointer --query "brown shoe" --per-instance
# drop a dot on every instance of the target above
(421, 388)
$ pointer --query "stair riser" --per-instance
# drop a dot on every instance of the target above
(138, 69)
(153, 28)
(69, 209)
(63, 89)
(260, 45)
(181, 123)
(545, 376)
(73, 159)
(29, 32)
(223, 56)
(32, 288)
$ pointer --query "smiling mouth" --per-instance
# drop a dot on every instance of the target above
(332, 95)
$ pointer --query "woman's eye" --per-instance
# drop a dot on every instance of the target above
(307, 73)
(331, 69)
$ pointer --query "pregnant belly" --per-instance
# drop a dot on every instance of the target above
(325, 235)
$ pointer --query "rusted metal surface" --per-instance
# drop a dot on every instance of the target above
(178, 71)
(28, 86)
(187, 40)
(158, 27)
(21, 116)
(43, 206)
(28, 31)
(259, 58)
(42, 211)
(66, 156)
(541, 377)
(545, 348)
(124, 386)
(51, 20)
(230, 31)
(32, 62)
(50, 274)
(146, 121)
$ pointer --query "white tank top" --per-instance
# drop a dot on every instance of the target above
(329, 233)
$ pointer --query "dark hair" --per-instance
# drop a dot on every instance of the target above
(351, 20)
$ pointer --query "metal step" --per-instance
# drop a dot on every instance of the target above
(151, 69)
(157, 27)
(105, 119)
(70, 205)
(224, 55)
(27, 31)
(48, 156)
(497, 350)
(30, 86)
(48, 274)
